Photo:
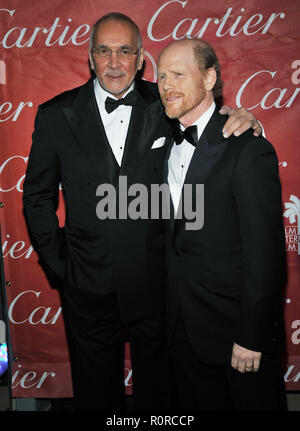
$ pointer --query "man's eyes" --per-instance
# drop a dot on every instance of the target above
(174, 75)
(125, 51)
(121, 52)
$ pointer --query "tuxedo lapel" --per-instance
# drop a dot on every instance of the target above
(136, 136)
(85, 121)
(145, 123)
(208, 152)
(169, 144)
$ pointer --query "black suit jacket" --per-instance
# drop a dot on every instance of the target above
(94, 257)
(227, 277)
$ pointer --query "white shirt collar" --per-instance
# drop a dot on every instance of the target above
(102, 94)
(203, 120)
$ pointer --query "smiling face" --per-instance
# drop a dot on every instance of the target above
(184, 89)
(116, 75)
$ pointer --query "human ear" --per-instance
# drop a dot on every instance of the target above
(210, 78)
(140, 59)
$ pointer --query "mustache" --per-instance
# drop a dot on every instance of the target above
(114, 73)
(170, 95)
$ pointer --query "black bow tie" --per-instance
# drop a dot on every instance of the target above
(190, 134)
(112, 104)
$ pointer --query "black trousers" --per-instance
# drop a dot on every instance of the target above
(204, 387)
(96, 338)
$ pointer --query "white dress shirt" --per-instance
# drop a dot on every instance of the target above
(181, 156)
(116, 123)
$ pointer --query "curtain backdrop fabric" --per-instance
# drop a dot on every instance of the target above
(44, 51)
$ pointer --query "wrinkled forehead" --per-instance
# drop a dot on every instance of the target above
(116, 33)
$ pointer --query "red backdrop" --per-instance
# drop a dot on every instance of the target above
(44, 51)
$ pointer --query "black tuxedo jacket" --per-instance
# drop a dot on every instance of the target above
(92, 256)
(227, 277)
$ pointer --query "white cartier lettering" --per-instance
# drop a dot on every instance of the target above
(232, 23)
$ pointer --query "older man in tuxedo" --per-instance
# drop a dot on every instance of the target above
(111, 272)
(224, 303)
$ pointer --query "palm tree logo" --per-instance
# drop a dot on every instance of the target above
(292, 212)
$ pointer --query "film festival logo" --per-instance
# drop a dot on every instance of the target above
(114, 203)
(292, 233)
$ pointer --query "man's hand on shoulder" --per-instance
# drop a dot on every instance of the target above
(243, 359)
(239, 121)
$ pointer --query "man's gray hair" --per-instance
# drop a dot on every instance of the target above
(116, 16)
